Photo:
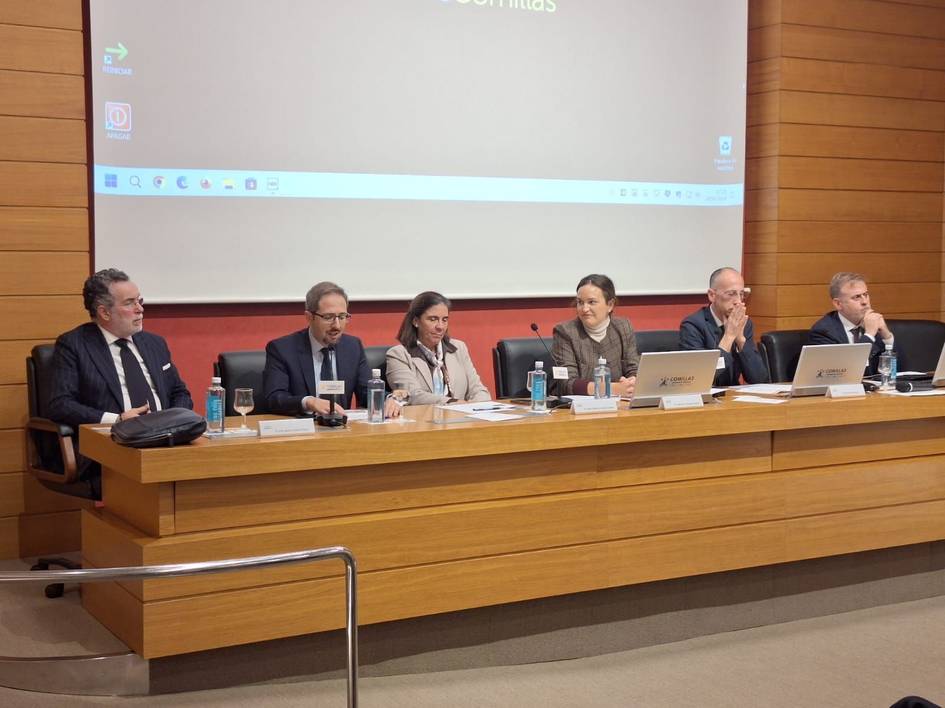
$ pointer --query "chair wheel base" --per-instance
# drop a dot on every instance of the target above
(55, 590)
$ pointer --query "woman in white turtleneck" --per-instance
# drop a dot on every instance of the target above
(595, 333)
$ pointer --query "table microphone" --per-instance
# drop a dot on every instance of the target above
(910, 386)
(551, 401)
(331, 419)
(550, 355)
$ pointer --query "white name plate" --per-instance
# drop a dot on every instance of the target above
(331, 387)
(286, 426)
(846, 391)
(559, 372)
(676, 403)
(579, 406)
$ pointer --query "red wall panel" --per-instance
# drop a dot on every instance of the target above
(196, 333)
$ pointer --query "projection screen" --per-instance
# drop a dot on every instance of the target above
(484, 148)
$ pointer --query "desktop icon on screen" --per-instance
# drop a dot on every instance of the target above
(159, 181)
(182, 182)
(725, 145)
(111, 181)
(229, 184)
(118, 116)
(251, 184)
(205, 183)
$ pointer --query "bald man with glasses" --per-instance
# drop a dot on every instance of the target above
(724, 324)
(297, 363)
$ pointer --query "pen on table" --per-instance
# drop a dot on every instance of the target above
(489, 408)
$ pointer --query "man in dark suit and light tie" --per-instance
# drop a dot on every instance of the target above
(297, 362)
(109, 369)
(724, 325)
(853, 320)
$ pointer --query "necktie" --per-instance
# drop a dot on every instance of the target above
(138, 390)
(857, 334)
(326, 373)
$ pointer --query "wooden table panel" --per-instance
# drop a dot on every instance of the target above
(449, 517)
(203, 504)
(838, 444)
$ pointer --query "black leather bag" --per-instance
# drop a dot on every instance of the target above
(172, 426)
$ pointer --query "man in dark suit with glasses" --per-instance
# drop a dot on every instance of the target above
(724, 325)
(297, 363)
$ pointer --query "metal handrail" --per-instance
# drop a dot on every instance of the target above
(150, 572)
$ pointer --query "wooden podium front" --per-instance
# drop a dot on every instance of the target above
(444, 517)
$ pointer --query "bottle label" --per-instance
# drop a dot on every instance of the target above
(538, 388)
(214, 407)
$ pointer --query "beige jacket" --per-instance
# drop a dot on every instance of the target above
(413, 373)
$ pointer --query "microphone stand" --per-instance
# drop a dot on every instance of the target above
(332, 419)
(551, 401)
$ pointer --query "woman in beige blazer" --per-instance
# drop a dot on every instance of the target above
(432, 367)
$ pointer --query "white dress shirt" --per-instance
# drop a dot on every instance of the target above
(848, 326)
(317, 362)
(113, 349)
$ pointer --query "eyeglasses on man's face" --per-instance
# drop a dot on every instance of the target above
(734, 294)
(331, 317)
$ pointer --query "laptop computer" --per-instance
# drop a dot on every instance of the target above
(823, 365)
(938, 378)
(673, 374)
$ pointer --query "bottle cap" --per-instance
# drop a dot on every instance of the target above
(215, 379)
(376, 373)
(601, 362)
(539, 364)
(889, 347)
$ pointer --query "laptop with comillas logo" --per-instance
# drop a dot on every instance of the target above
(674, 374)
(823, 365)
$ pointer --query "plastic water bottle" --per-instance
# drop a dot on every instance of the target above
(216, 400)
(602, 379)
(376, 393)
(887, 367)
(538, 377)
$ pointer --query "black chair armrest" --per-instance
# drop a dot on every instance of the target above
(50, 426)
(64, 435)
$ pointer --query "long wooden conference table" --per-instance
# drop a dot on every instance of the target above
(444, 517)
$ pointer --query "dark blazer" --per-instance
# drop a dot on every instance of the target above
(699, 331)
(829, 330)
(573, 347)
(289, 375)
(85, 381)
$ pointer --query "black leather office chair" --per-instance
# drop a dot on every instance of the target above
(512, 360)
(377, 359)
(243, 369)
(50, 448)
(658, 340)
(781, 349)
(918, 343)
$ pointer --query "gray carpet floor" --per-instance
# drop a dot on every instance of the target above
(864, 658)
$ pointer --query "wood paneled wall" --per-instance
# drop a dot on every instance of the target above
(846, 144)
(44, 241)
(846, 155)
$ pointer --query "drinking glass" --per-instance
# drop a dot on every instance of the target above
(243, 403)
(402, 396)
(885, 369)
